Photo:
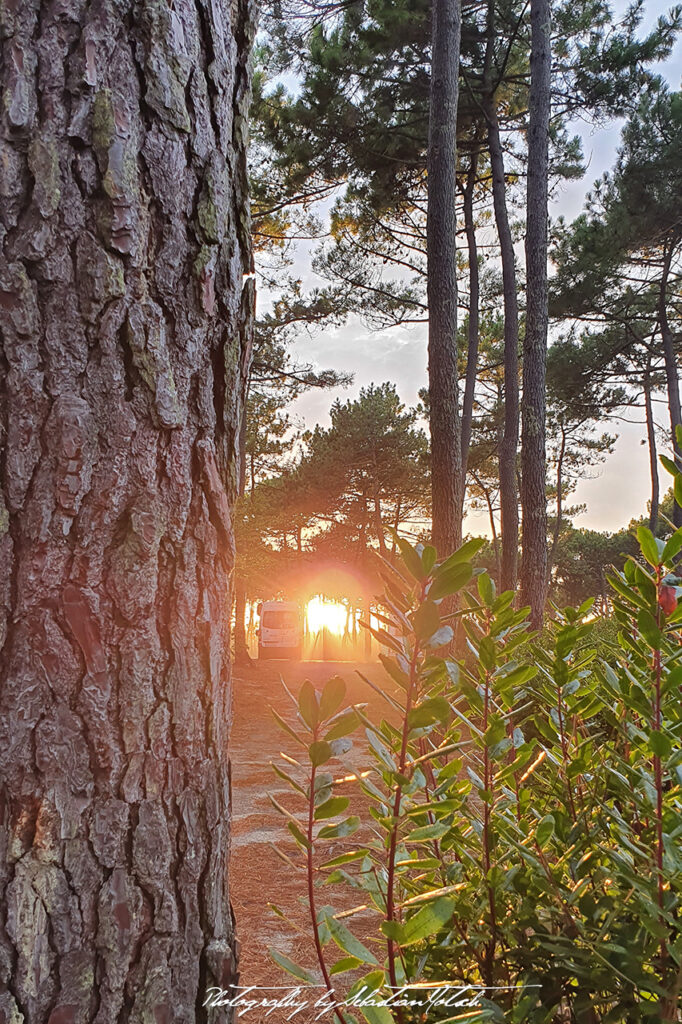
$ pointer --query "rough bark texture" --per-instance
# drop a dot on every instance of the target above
(124, 328)
(241, 651)
(509, 499)
(670, 358)
(653, 454)
(441, 229)
(509, 496)
(533, 468)
(473, 327)
(559, 506)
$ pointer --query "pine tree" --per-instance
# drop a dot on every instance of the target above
(124, 347)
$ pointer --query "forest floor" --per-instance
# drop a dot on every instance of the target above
(258, 877)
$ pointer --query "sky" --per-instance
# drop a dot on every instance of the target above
(617, 490)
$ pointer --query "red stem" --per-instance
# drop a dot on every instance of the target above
(488, 786)
(658, 773)
(390, 882)
(311, 892)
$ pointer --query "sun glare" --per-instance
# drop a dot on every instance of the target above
(322, 613)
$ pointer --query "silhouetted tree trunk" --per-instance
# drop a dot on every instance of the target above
(241, 651)
(441, 229)
(125, 343)
(559, 503)
(671, 371)
(509, 501)
(473, 326)
(651, 441)
(533, 469)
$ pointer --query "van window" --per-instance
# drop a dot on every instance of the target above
(280, 620)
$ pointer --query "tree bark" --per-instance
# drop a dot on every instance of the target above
(533, 467)
(671, 371)
(125, 341)
(441, 229)
(473, 340)
(509, 501)
(559, 504)
(241, 650)
(653, 455)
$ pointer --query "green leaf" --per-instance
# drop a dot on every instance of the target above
(346, 941)
(308, 705)
(381, 750)
(347, 963)
(669, 465)
(345, 858)
(426, 620)
(429, 554)
(426, 832)
(340, 831)
(332, 697)
(394, 671)
(427, 921)
(496, 731)
(660, 744)
(486, 589)
(343, 726)
(435, 709)
(372, 983)
(673, 546)
(447, 583)
(298, 835)
(287, 778)
(678, 488)
(288, 965)
(286, 727)
(545, 830)
(411, 559)
(649, 630)
(463, 554)
(647, 544)
(319, 752)
(330, 808)
(518, 676)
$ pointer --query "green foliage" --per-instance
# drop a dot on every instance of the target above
(524, 804)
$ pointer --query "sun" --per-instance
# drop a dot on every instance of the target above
(322, 613)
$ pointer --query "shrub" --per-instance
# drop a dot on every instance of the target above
(524, 829)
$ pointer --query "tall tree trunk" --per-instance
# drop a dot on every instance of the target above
(241, 650)
(474, 289)
(441, 230)
(125, 340)
(509, 502)
(651, 441)
(671, 371)
(533, 470)
(559, 503)
(376, 499)
(493, 529)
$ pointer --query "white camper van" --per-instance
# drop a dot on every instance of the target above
(280, 632)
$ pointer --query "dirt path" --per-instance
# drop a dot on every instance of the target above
(258, 876)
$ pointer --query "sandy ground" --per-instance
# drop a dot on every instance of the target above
(258, 876)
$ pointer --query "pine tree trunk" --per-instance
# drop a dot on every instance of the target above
(653, 455)
(125, 331)
(559, 504)
(671, 371)
(509, 501)
(533, 468)
(473, 331)
(441, 229)
(509, 498)
(241, 649)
